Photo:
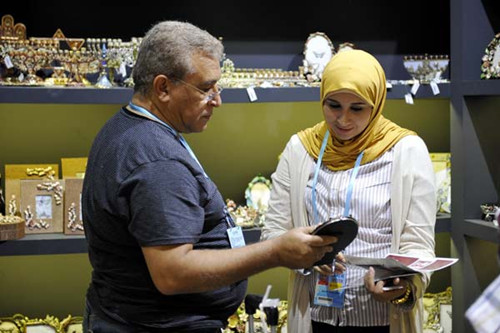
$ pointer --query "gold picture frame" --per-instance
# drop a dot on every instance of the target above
(73, 222)
(318, 50)
(14, 173)
(73, 167)
(42, 206)
(14, 324)
(49, 324)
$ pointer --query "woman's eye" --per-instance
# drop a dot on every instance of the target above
(334, 105)
(356, 108)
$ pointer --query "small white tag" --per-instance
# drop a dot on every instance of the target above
(408, 99)
(251, 94)
(236, 238)
(435, 88)
(414, 88)
(388, 85)
(21, 77)
(8, 62)
(123, 69)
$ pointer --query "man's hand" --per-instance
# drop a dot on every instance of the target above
(297, 248)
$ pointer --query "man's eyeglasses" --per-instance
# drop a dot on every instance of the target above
(209, 95)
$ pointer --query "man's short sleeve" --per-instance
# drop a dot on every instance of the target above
(165, 204)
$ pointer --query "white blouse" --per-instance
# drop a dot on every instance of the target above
(370, 206)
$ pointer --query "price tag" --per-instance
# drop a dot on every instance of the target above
(435, 88)
(21, 77)
(251, 94)
(8, 62)
(409, 99)
(414, 88)
(388, 85)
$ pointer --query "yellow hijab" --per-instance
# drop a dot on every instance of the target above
(358, 72)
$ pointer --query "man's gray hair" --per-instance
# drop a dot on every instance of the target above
(167, 48)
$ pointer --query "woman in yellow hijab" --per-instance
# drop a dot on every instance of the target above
(356, 163)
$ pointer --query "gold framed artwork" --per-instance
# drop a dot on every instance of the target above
(73, 222)
(42, 206)
(14, 173)
(73, 167)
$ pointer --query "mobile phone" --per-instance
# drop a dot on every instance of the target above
(389, 285)
(390, 288)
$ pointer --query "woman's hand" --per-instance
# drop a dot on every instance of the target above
(376, 289)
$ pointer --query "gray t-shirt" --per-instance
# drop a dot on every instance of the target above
(142, 188)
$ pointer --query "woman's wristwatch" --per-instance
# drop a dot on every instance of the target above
(404, 298)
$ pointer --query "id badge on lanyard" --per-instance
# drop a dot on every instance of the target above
(329, 290)
(234, 232)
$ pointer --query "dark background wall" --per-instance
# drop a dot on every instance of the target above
(390, 26)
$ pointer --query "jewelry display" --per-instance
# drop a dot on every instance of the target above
(489, 212)
(9, 29)
(426, 68)
(243, 216)
(490, 66)
(239, 321)
(257, 195)
(76, 62)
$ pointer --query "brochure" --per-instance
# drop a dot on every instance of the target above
(399, 265)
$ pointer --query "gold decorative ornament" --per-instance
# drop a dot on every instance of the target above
(490, 66)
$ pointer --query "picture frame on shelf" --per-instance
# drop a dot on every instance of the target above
(318, 50)
(42, 206)
(73, 221)
(14, 173)
(49, 324)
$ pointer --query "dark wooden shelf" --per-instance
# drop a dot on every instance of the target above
(68, 95)
(481, 88)
(64, 244)
(481, 230)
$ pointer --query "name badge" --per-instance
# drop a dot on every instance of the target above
(329, 290)
(236, 238)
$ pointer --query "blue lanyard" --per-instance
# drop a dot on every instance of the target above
(354, 174)
(170, 129)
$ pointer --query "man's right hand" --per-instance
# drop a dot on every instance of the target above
(297, 248)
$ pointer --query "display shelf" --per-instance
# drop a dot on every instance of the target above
(66, 244)
(482, 230)
(44, 244)
(9, 94)
(481, 88)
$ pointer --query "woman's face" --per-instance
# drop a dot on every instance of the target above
(346, 114)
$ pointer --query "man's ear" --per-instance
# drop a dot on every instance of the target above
(161, 85)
